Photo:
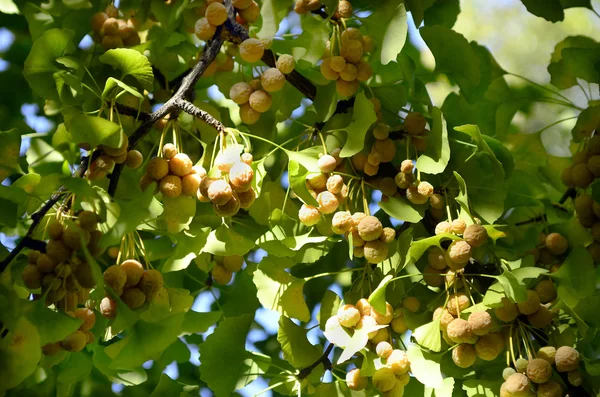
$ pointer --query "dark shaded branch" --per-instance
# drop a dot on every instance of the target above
(127, 111)
(324, 359)
(195, 111)
(569, 193)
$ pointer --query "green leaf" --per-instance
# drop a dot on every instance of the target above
(514, 289)
(272, 13)
(112, 84)
(40, 65)
(388, 27)
(363, 116)
(53, 326)
(576, 278)
(223, 354)
(297, 350)
(436, 156)
(9, 152)
(452, 52)
(325, 102)
(95, 131)
(74, 368)
(429, 336)
(8, 7)
(310, 45)
(131, 63)
(425, 367)
(587, 121)
(550, 10)
(145, 341)
(560, 69)
(330, 304)
(20, 353)
(188, 247)
(297, 175)
(280, 291)
(401, 209)
(419, 247)
(377, 297)
(481, 388)
(199, 323)
(225, 241)
(443, 12)
(167, 387)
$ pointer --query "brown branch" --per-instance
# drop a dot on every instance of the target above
(195, 111)
(128, 111)
(324, 359)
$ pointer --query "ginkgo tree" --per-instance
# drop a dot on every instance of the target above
(210, 161)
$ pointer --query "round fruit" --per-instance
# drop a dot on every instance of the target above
(475, 235)
(170, 186)
(335, 184)
(157, 168)
(190, 184)
(444, 316)
(240, 92)
(383, 318)
(351, 50)
(566, 359)
(233, 263)
(363, 307)
(309, 215)
(481, 323)
(458, 226)
(58, 251)
(370, 228)
(328, 202)
(369, 322)
(464, 355)
(415, 123)
(508, 371)
(348, 316)
(436, 258)
(272, 80)
(180, 164)
(550, 389)
(251, 50)
(246, 199)
(425, 189)
(219, 192)
(546, 291)
(431, 278)
(364, 71)
(489, 346)
(133, 270)
(355, 381)
(221, 275)
(74, 342)
(459, 331)
(531, 305)
(32, 278)
(384, 349)
(556, 244)
(286, 63)
(443, 227)
(508, 312)
(517, 385)
(388, 235)
(459, 253)
(151, 283)
(345, 9)
(260, 101)
(398, 362)
(108, 308)
(248, 115)
(539, 371)
(216, 14)
(457, 303)
(240, 177)
(346, 88)
(115, 277)
(349, 73)
(133, 297)
(204, 30)
(581, 176)
(541, 318)
(411, 303)
(251, 13)
(327, 71)
(547, 353)
(375, 251)
(575, 378)
(399, 325)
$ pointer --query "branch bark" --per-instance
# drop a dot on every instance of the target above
(324, 359)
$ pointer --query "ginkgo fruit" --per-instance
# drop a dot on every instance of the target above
(115, 277)
(170, 186)
(309, 215)
(464, 355)
(383, 379)
(539, 371)
(531, 305)
(133, 271)
(157, 168)
(216, 14)
(251, 50)
(489, 346)
(272, 80)
(459, 331)
(481, 323)
(355, 380)
(566, 359)
(348, 316)
(286, 63)
(260, 101)
(151, 283)
(74, 342)
(240, 92)
(370, 228)
(133, 297)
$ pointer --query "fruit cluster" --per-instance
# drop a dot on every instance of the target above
(112, 31)
(550, 250)
(328, 189)
(215, 14)
(536, 307)
(133, 284)
(348, 68)
(588, 214)
(225, 266)
(75, 341)
(393, 376)
(105, 163)
(417, 192)
(532, 377)
(174, 172)
(453, 260)
(62, 273)
(369, 238)
(232, 190)
(254, 98)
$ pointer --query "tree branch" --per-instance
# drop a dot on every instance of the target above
(304, 372)
(128, 111)
(195, 111)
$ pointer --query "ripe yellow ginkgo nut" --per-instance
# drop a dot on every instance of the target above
(133, 270)
(459, 253)
(381, 131)
(134, 298)
(157, 168)
(546, 290)
(337, 63)
(388, 235)
(547, 353)
(247, 198)
(581, 176)
(457, 303)
(328, 202)
(556, 244)
(370, 228)
(272, 80)
(309, 215)
(398, 362)
(151, 283)
(476, 235)
(230, 208)
(58, 251)
(384, 379)
(414, 123)
(566, 359)
(219, 192)
(204, 30)
(108, 308)
(251, 50)
(351, 50)
(345, 9)
(436, 258)
(411, 304)
(541, 318)
(459, 331)
(355, 380)
(251, 13)
(110, 26)
(508, 312)
(169, 151)
(170, 186)
(240, 92)
(399, 325)
(531, 305)
(240, 177)
(349, 72)
(425, 189)
(458, 226)
(489, 346)
(518, 385)
(384, 349)
(233, 263)
(431, 277)
(464, 355)
(444, 316)
(386, 148)
(32, 278)
(346, 88)
(481, 323)
(216, 14)
(382, 335)
(383, 318)
(260, 101)
(98, 20)
(348, 316)
(221, 275)
(375, 251)
(443, 227)
(364, 71)
(134, 159)
(248, 115)
(539, 371)
(190, 184)
(115, 277)
(335, 183)
(286, 63)
(74, 342)
(550, 389)
(180, 165)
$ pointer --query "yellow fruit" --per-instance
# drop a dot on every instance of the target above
(246, 199)
(381, 131)
(383, 318)
(216, 14)
(240, 177)
(108, 308)
(351, 50)
(364, 71)
(248, 115)
(74, 342)
(556, 244)
(355, 381)
(272, 80)
(531, 305)
(550, 389)
(375, 251)
(157, 168)
(541, 318)
(204, 30)
(233, 263)
(539, 371)
(517, 385)
(230, 208)
(370, 228)
(398, 362)
(444, 316)
(386, 148)
(169, 151)
(133, 271)
(481, 323)
(459, 331)
(411, 303)
(349, 72)
(575, 378)
(115, 277)
(180, 164)
(581, 176)
(457, 303)
(384, 379)
(240, 92)
(98, 20)
(251, 13)
(388, 235)
(260, 101)
(32, 278)
(345, 9)
(134, 159)
(219, 192)
(464, 355)
(363, 307)
(547, 353)
(251, 50)
(309, 215)
(384, 349)
(437, 201)
(327, 71)
(346, 88)
(335, 184)
(436, 258)
(170, 186)
(415, 123)
(489, 346)
(431, 278)
(459, 253)
(508, 312)
(399, 325)
(566, 359)
(87, 316)
(348, 316)
(58, 251)
(368, 43)
(190, 184)
(443, 227)
(286, 63)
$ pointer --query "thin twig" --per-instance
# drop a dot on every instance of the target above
(304, 372)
